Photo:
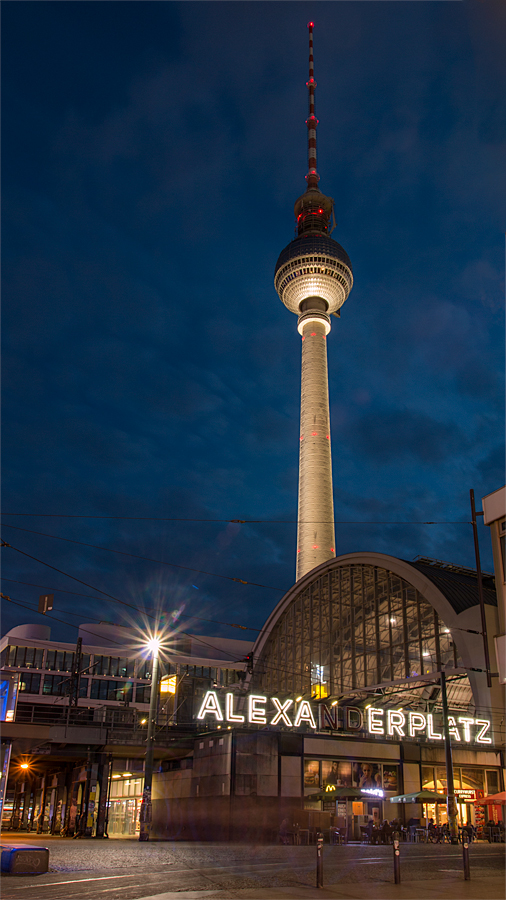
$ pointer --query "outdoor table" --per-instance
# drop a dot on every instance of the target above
(304, 835)
(420, 835)
(293, 836)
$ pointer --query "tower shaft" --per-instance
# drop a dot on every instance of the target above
(315, 518)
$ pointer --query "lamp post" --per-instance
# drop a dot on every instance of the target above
(450, 801)
(145, 813)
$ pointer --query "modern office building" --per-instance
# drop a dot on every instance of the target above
(84, 737)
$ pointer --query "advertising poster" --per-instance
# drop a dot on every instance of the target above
(367, 775)
(337, 772)
(390, 779)
(312, 773)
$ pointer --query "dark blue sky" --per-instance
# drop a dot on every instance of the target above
(152, 154)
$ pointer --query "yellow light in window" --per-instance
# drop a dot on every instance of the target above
(319, 691)
(168, 684)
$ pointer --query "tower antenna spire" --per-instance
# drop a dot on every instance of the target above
(312, 176)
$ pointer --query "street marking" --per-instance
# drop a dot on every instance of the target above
(76, 881)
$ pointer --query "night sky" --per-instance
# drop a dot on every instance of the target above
(152, 154)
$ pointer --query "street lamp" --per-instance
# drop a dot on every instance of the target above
(153, 645)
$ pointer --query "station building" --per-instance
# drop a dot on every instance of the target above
(341, 690)
(345, 692)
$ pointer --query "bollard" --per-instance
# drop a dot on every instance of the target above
(397, 858)
(319, 860)
(465, 855)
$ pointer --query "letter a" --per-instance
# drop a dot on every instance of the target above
(210, 705)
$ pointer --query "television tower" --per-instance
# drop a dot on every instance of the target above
(313, 278)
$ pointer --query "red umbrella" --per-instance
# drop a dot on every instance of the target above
(492, 798)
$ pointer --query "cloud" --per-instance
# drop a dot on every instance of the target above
(393, 434)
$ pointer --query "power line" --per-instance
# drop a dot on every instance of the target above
(116, 599)
(147, 558)
(364, 690)
(56, 619)
(237, 521)
(92, 597)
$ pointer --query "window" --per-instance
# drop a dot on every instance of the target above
(142, 693)
(59, 661)
(57, 685)
(473, 779)
(103, 689)
(492, 781)
(29, 682)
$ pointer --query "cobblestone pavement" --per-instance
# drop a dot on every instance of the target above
(130, 870)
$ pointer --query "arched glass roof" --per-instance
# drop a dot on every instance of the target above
(366, 623)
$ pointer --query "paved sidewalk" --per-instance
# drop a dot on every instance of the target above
(486, 888)
(489, 888)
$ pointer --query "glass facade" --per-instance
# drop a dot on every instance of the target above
(353, 627)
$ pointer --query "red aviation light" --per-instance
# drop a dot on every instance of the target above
(315, 547)
(314, 433)
(313, 334)
(328, 437)
(332, 550)
(302, 437)
(310, 24)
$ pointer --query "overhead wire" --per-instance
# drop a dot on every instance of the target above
(275, 668)
(111, 597)
(240, 521)
(92, 597)
(147, 558)
(359, 690)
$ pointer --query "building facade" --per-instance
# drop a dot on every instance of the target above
(345, 692)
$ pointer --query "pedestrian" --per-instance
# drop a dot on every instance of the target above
(283, 831)
(386, 832)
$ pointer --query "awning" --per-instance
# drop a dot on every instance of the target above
(419, 797)
(339, 793)
(492, 798)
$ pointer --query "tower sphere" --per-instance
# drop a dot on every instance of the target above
(313, 265)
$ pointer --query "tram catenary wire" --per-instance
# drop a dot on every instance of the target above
(352, 693)
(110, 597)
(238, 521)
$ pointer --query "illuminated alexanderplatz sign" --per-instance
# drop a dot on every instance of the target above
(255, 709)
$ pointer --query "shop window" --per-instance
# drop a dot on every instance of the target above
(492, 781)
(441, 778)
(428, 778)
(473, 779)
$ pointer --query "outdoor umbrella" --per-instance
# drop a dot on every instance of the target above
(339, 792)
(419, 797)
(348, 793)
(492, 798)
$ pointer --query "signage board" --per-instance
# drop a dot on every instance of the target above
(257, 709)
